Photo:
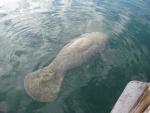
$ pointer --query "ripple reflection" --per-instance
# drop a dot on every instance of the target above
(33, 31)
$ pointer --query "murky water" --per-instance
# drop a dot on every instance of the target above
(32, 32)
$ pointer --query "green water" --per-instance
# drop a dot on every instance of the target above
(32, 32)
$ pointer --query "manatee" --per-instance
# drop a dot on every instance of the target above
(43, 85)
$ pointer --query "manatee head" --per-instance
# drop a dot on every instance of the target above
(43, 85)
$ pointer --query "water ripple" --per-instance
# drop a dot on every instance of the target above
(33, 31)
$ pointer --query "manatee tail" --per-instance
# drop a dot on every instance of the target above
(43, 85)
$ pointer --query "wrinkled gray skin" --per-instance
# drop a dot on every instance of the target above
(44, 84)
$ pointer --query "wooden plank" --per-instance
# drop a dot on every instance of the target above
(147, 110)
(129, 97)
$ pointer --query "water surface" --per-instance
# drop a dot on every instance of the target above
(32, 32)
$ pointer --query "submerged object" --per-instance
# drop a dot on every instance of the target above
(43, 85)
(134, 99)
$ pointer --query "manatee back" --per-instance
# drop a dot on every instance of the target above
(80, 50)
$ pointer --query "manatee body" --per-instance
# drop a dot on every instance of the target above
(43, 85)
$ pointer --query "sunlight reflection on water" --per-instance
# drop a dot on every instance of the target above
(33, 31)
